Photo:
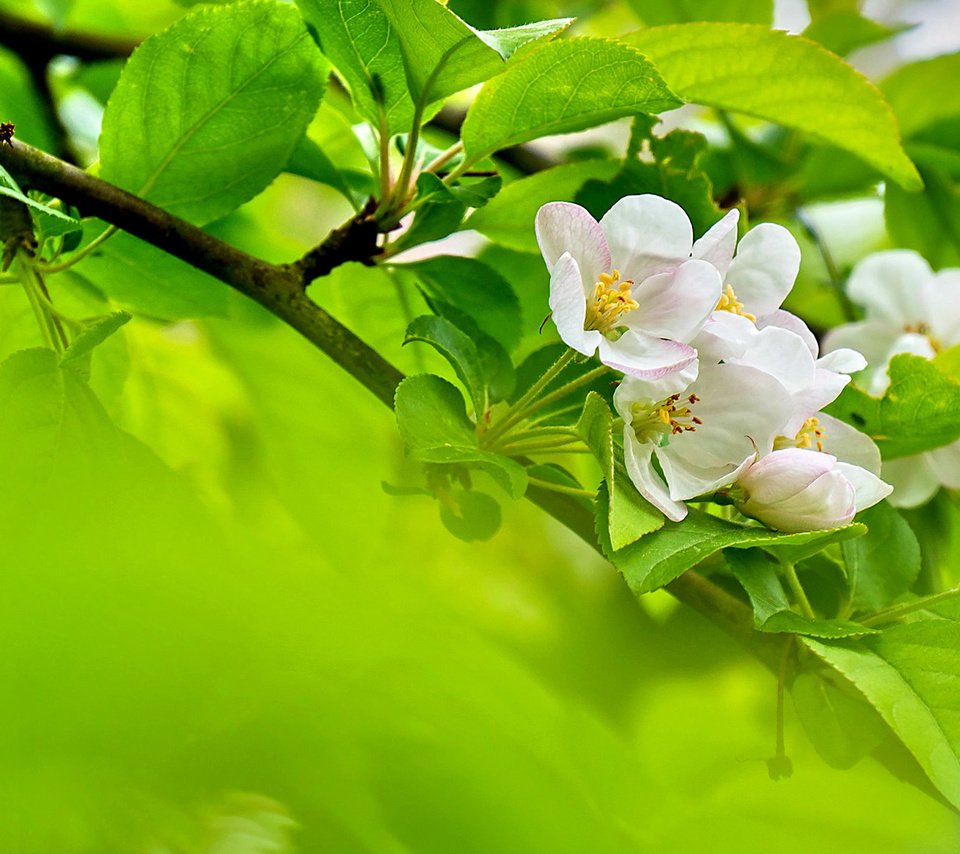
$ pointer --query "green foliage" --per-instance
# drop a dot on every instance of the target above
(883, 564)
(207, 113)
(803, 87)
(656, 12)
(911, 675)
(563, 87)
(843, 32)
(921, 93)
(918, 412)
(93, 334)
(20, 103)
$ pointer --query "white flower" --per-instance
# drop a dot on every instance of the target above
(626, 286)
(908, 309)
(702, 434)
(794, 490)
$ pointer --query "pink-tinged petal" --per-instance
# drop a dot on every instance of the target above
(675, 304)
(867, 487)
(943, 307)
(843, 361)
(914, 479)
(782, 475)
(647, 235)
(688, 481)
(891, 286)
(719, 242)
(872, 338)
(569, 308)
(946, 461)
(848, 444)
(786, 320)
(566, 227)
(766, 266)
(645, 356)
(639, 464)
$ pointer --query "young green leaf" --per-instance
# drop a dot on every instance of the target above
(929, 221)
(628, 515)
(563, 87)
(50, 220)
(782, 78)
(470, 515)
(924, 93)
(845, 32)
(772, 611)
(93, 334)
(440, 213)
(656, 12)
(664, 555)
(508, 218)
(883, 564)
(207, 112)
(309, 160)
(919, 411)
(911, 675)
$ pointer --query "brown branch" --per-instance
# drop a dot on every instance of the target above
(42, 42)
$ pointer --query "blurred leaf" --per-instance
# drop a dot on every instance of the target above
(472, 288)
(918, 412)
(470, 515)
(846, 31)
(94, 333)
(803, 86)
(21, 104)
(628, 515)
(445, 55)
(508, 219)
(656, 12)
(821, 8)
(885, 563)
(150, 282)
(458, 349)
(911, 675)
(772, 611)
(565, 86)
(208, 112)
(929, 221)
(842, 727)
(666, 554)
(309, 160)
(923, 93)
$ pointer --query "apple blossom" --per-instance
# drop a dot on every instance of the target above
(908, 309)
(627, 286)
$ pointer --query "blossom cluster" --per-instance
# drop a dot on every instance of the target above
(722, 389)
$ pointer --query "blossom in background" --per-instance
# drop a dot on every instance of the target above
(702, 434)
(908, 309)
(627, 287)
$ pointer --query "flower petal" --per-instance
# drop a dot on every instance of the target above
(914, 480)
(848, 444)
(867, 487)
(639, 464)
(718, 243)
(946, 461)
(688, 481)
(844, 361)
(569, 308)
(566, 227)
(786, 320)
(675, 304)
(872, 338)
(645, 356)
(766, 266)
(647, 235)
(943, 306)
(890, 286)
(782, 475)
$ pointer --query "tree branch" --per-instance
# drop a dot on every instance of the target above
(42, 42)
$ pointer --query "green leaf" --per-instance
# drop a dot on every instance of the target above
(470, 515)
(440, 214)
(911, 675)
(93, 334)
(784, 79)
(147, 281)
(883, 564)
(565, 86)
(772, 611)
(508, 219)
(929, 221)
(840, 725)
(309, 160)
(844, 32)
(433, 423)
(664, 555)
(458, 349)
(918, 412)
(21, 103)
(443, 54)
(472, 288)
(52, 221)
(208, 112)
(924, 93)
(628, 515)
(657, 12)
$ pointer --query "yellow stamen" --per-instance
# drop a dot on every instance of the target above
(611, 300)
(923, 329)
(810, 435)
(670, 417)
(729, 302)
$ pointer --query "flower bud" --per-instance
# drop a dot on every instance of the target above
(797, 490)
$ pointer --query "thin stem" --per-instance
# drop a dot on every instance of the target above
(895, 612)
(798, 591)
(50, 330)
(445, 157)
(781, 766)
(80, 254)
(565, 389)
(563, 490)
(510, 417)
(523, 448)
(833, 272)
